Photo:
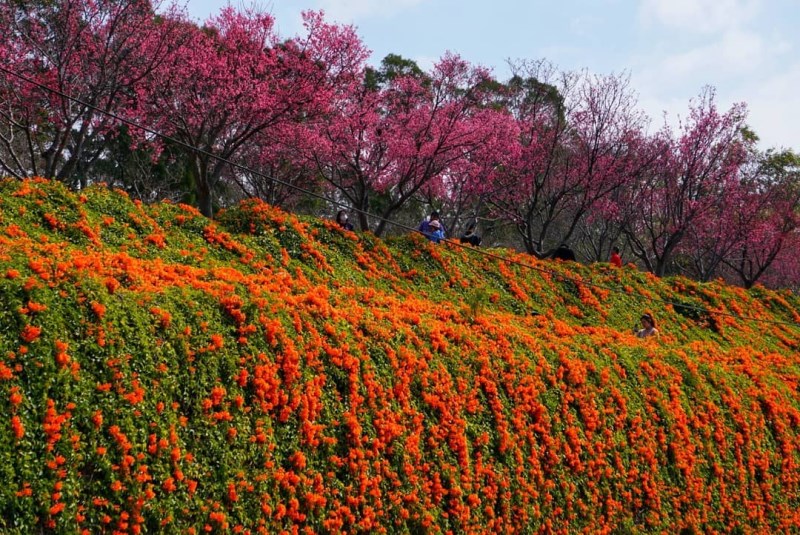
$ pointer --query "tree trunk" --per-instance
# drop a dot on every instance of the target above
(204, 200)
(203, 188)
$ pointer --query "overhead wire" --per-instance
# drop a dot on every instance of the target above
(310, 193)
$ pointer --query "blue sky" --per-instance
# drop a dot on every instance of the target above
(748, 49)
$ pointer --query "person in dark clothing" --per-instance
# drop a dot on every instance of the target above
(341, 218)
(563, 253)
(470, 237)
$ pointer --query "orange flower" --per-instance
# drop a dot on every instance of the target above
(99, 309)
(111, 284)
(97, 419)
(217, 342)
(57, 508)
(298, 460)
(62, 358)
(6, 373)
(30, 333)
(35, 308)
(53, 221)
(157, 240)
(14, 396)
(165, 318)
(169, 485)
(17, 428)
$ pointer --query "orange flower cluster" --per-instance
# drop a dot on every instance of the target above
(265, 374)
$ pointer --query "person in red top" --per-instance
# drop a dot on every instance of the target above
(616, 259)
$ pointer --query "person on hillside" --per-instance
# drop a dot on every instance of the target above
(648, 326)
(470, 237)
(616, 259)
(424, 226)
(563, 253)
(342, 220)
(435, 231)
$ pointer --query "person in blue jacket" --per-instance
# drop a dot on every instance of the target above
(424, 225)
(435, 231)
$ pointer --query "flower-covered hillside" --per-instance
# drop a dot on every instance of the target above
(264, 372)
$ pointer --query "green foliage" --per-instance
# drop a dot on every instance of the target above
(392, 66)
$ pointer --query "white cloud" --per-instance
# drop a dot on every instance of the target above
(699, 16)
(736, 54)
(772, 100)
(718, 43)
(775, 108)
(348, 11)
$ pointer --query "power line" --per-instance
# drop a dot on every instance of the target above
(316, 195)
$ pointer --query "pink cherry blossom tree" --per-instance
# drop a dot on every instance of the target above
(692, 172)
(235, 83)
(458, 194)
(717, 232)
(784, 272)
(396, 139)
(577, 145)
(105, 53)
(766, 217)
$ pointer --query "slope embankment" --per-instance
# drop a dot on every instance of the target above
(265, 372)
